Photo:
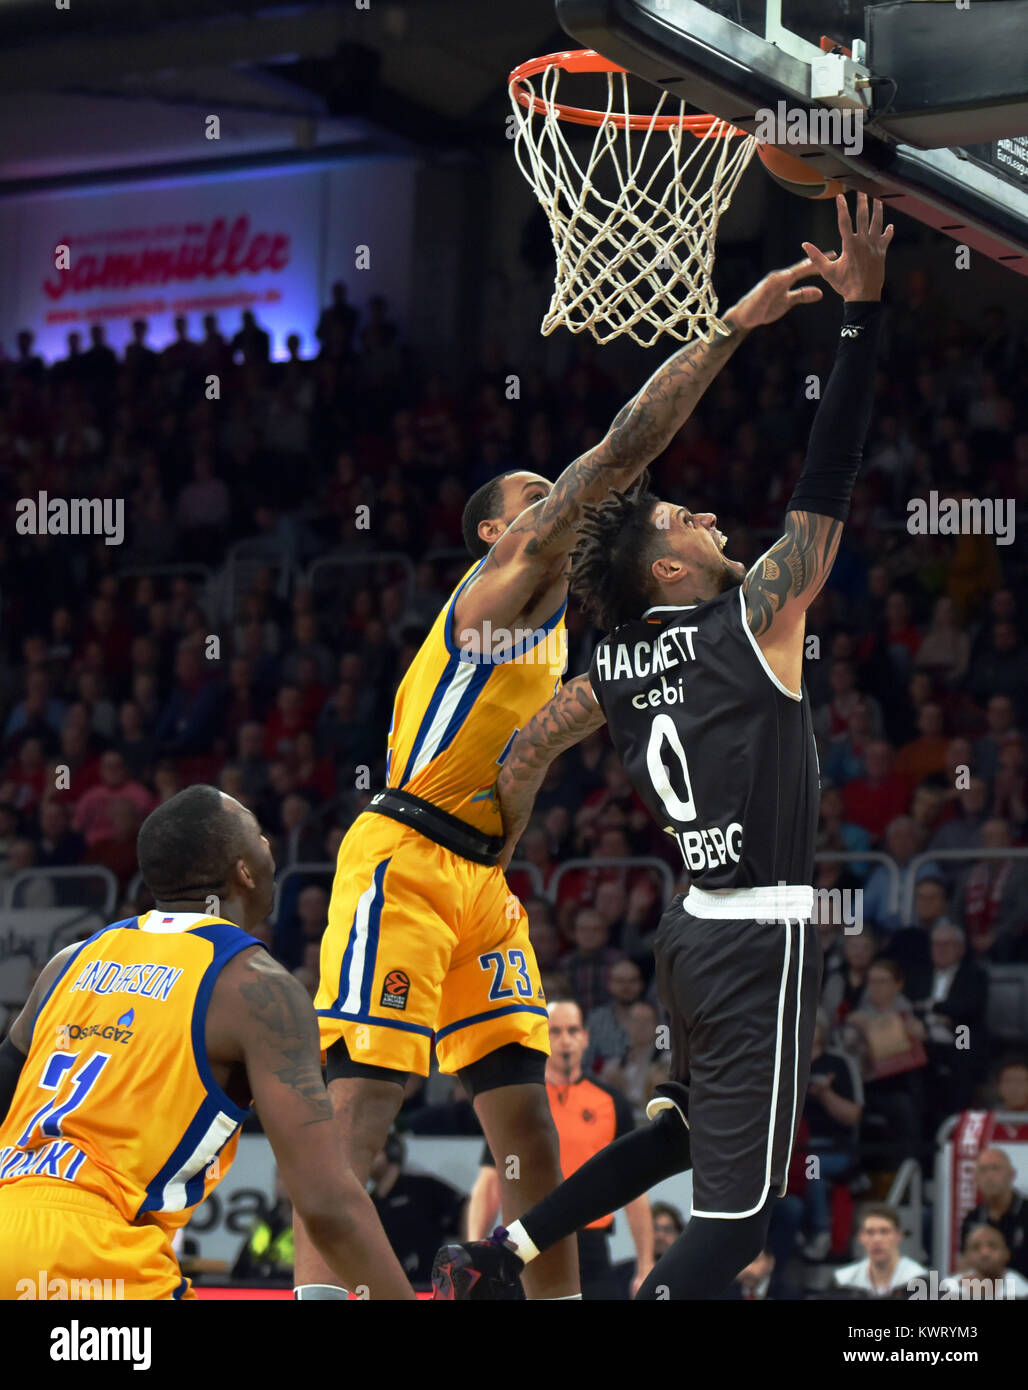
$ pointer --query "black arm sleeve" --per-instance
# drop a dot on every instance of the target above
(840, 427)
(11, 1063)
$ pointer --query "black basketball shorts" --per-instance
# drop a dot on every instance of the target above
(742, 997)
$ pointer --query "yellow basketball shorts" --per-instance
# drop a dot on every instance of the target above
(60, 1243)
(424, 945)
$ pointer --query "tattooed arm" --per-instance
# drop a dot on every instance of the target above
(785, 581)
(783, 584)
(261, 1016)
(569, 717)
(533, 552)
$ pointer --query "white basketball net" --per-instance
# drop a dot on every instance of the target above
(636, 257)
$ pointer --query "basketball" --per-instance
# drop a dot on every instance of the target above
(795, 176)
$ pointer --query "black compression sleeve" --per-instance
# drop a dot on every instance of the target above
(11, 1063)
(843, 416)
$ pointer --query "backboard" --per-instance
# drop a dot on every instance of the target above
(922, 103)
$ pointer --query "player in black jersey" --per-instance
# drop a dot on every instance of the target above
(700, 682)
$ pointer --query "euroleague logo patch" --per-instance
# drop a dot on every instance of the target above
(395, 989)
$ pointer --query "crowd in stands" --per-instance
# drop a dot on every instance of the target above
(210, 645)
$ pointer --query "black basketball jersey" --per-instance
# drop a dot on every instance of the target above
(722, 755)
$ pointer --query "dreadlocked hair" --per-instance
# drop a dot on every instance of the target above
(610, 568)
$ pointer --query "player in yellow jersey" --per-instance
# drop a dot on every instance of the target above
(129, 1071)
(424, 940)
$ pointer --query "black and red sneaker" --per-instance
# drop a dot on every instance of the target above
(480, 1269)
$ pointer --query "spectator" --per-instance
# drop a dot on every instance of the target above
(59, 846)
(1001, 669)
(995, 899)
(985, 1270)
(833, 1110)
(945, 649)
(336, 326)
(252, 344)
(902, 843)
(1001, 721)
(880, 795)
(924, 756)
(203, 510)
(911, 945)
(1010, 786)
(189, 720)
(140, 360)
(534, 848)
(963, 829)
(608, 1025)
(890, 1040)
(832, 720)
(668, 1225)
(1001, 1206)
(134, 743)
(116, 848)
(837, 833)
(951, 999)
(285, 722)
(93, 815)
(884, 1269)
(587, 965)
(418, 1212)
(1012, 1086)
(644, 1064)
(842, 991)
(39, 715)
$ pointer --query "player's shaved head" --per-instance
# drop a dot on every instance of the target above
(188, 846)
(500, 500)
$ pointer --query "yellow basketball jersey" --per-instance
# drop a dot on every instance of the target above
(460, 704)
(117, 1096)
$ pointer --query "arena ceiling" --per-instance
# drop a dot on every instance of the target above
(125, 84)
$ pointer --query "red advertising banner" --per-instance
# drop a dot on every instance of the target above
(271, 242)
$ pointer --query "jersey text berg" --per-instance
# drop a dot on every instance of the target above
(111, 977)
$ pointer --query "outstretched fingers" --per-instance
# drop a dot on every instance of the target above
(792, 273)
(862, 216)
(845, 222)
(807, 294)
(817, 258)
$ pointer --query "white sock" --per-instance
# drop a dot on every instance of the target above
(310, 1293)
(519, 1237)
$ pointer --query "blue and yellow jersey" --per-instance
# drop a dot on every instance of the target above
(117, 1096)
(460, 704)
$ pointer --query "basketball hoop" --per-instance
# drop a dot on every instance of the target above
(634, 250)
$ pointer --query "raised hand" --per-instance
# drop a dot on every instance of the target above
(858, 271)
(774, 296)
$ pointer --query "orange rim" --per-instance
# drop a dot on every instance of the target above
(588, 60)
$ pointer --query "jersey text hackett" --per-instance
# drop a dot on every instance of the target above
(720, 752)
